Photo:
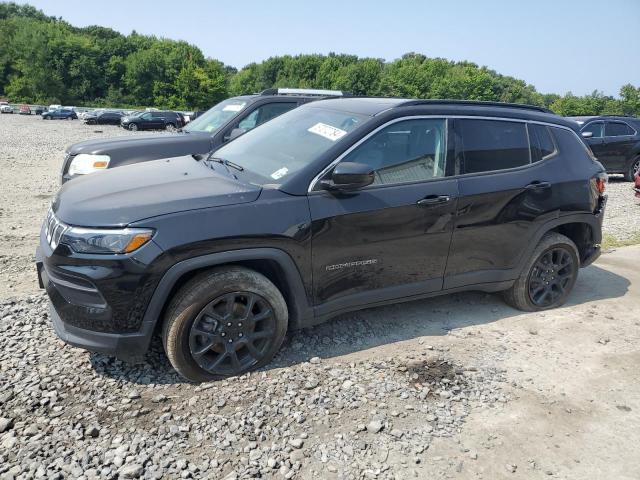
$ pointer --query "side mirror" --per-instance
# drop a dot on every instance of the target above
(586, 134)
(235, 133)
(348, 176)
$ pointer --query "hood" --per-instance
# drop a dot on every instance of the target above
(134, 148)
(124, 195)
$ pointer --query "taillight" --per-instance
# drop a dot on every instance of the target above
(601, 182)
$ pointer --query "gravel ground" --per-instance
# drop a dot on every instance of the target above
(460, 386)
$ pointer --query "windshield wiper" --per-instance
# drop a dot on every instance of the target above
(233, 165)
(221, 162)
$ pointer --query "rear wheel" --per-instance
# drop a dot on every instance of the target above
(170, 127)
(634, 168)
(223, 323)
(548, 277)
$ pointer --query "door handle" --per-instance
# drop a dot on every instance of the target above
(538, 185)
(433, 200)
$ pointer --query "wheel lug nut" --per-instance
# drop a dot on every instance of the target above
(229, 324)
(223, 334)
(240, 324)
(240, 334)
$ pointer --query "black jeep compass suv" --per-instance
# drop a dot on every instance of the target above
(337, 205)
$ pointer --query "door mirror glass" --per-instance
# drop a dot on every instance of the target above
(350, 176)
(587, 134)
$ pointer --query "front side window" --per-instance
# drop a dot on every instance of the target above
(264, 113)
(216, 117)
(489, 145)
(403, 152)
(618, 129)
(289, 142)
(596, 129)
(145, 116)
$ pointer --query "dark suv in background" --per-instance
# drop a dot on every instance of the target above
(335, 206)
(228, 119)
(615, 141)
(153, 120)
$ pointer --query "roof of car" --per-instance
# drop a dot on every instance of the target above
(372, 106)
(582, 119)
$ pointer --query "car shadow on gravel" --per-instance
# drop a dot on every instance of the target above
(365, 329)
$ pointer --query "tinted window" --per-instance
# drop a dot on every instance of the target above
(595, 128)
(263, 114)
(157, 114)
(489, 145)
(407, 151)
(617, 129)
(542, 145)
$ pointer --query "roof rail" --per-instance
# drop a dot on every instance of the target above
(476, 102)
(303, 91)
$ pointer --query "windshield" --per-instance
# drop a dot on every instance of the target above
(284, 145)
(217, 116)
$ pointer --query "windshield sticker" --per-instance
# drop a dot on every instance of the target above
(279, 173)
(234, 107)
(327, 131)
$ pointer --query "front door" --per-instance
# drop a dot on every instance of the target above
(390, 239)
(618, 141)
(596, 141)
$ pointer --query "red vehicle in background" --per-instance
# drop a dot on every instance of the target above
(25, 110)
(636, 186)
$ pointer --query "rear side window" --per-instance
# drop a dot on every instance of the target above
(488, 145)
(618, 129)
(596, 128)
(542, 144)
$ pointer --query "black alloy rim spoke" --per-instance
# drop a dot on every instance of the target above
(232, 333)
(550, 277)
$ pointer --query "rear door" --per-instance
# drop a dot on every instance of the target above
(389, 239)
(503, 197)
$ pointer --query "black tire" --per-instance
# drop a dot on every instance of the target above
(228, 319)
(634, 167)
(546, 281)
(133, 127)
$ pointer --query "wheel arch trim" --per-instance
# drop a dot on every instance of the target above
(303, 313)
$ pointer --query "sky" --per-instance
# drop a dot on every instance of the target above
(556, 45)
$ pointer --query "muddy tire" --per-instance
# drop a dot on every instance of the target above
(224, 322)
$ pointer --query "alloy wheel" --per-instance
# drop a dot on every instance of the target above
(635, 168)
(232, 333)
(551, 276)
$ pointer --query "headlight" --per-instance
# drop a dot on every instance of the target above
(85, 163)
(90, 240)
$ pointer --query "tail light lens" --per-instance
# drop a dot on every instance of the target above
(601, 183)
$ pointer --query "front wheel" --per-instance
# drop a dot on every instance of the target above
(223, 323)
(634, 168)
(133, 127)
(548, 277)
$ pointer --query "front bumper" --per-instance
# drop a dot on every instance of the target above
(99, 303)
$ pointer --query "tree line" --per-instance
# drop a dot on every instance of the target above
(44, 60)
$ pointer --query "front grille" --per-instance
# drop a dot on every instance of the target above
(54, 229)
